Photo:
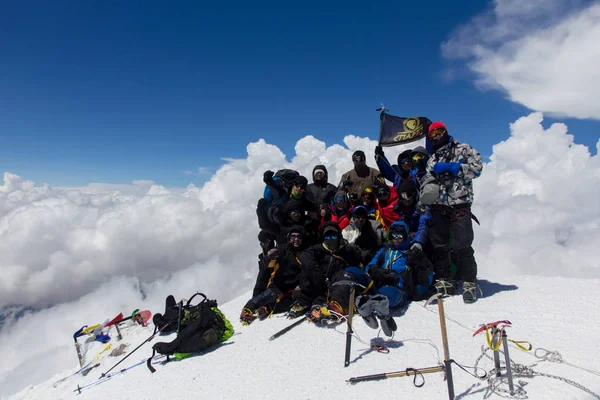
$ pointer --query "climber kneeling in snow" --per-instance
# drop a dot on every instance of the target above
(278, 279)
(394, 276)
(198, 327)
(322, 266)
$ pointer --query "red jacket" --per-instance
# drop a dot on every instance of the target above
(387, 211)
(343, 220)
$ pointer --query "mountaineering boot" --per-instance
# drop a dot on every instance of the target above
(335, 308)
(262, 312)
(247, 316)
(319, 313)
(445, 287)
(388, 325)
(364, 307)
(470, 292)
(297, 310)
(381, 308)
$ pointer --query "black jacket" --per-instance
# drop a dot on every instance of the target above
(320, 192)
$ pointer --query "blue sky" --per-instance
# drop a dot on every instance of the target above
(117, 91)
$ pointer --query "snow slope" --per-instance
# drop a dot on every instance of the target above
(554, 314)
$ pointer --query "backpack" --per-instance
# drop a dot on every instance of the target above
(284, 178)
(198, 327)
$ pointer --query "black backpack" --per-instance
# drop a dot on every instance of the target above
(177, 316)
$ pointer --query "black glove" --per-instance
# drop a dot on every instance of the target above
(384, 276)
(379, 152)
(268, 177)
(347, 184)
(390, 277)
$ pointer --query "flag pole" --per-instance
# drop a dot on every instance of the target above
(382, 110)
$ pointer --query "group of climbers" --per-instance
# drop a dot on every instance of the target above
(395, 241)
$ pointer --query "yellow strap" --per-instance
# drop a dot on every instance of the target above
(489, 340)
(519, 344)
(369, 286)
(89, 329)
(275, 266)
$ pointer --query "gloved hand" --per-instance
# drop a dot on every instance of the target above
(414, 253)
(379, 152)
(384, 276)
(347, 184)
(416, 247)
(446, 167)
(268, 177)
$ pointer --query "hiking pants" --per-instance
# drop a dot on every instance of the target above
(444, 221)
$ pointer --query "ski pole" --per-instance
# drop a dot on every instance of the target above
(134, 350)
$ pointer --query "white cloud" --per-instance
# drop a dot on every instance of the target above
(200, 171)
(543, 54)
(89, 255)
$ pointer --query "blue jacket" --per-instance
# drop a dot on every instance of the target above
(392, 257)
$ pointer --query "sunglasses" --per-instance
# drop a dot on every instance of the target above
(300, 186)
(358, 159)
(417, 157)
(296, 236)
(405, 161)
(397, 235)
(436, 133)
(340, 199)
(295, 213)
(328, 236)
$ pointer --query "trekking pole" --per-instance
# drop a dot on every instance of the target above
(134, 350)
(447, 361)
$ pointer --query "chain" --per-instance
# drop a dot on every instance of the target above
(519, 392)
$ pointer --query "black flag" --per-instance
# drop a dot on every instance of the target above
(400, 130)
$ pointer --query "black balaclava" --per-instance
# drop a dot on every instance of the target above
(332, 244)
(361, 168)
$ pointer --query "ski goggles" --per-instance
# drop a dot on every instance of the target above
(300, 186)
(405, 196)
(417, 157)
(436, 133)
(298, 236)
(332, 235)
(397, 235)
(295, 214)
(358, 159)
(340, 199)
(405, 161)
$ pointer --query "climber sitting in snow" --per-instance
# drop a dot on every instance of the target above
(279, 279)
(322, 266)
(368, 235)
(293, 213)
(394, 276)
